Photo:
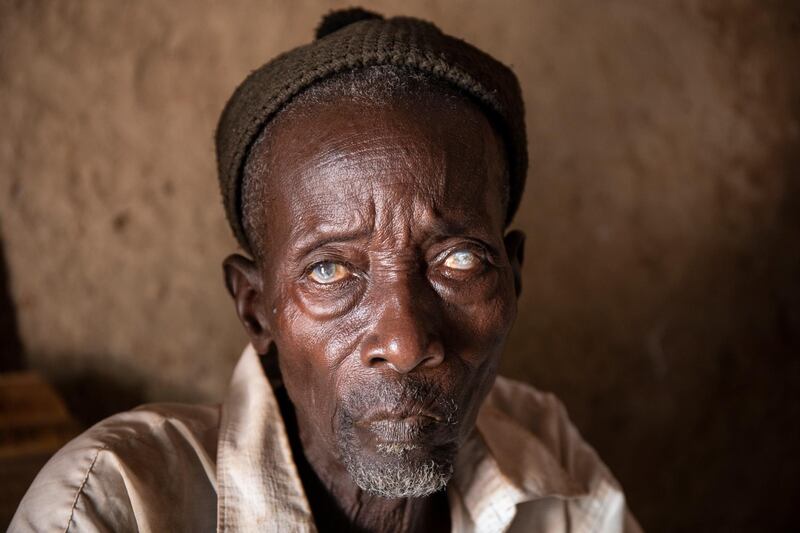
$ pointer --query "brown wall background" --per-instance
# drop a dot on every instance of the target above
(661, 296)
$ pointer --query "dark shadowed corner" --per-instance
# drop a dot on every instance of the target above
(10, 343)
(725, 456)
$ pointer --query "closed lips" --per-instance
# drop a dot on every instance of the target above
(401, 429)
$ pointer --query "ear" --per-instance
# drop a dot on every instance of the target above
(515, 249)
(244, 283)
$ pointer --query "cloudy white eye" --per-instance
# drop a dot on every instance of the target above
(462, 260)
(328, 272)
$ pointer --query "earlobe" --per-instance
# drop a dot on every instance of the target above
(515, 249)
(243, 281)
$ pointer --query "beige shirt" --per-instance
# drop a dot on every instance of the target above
(174, 468)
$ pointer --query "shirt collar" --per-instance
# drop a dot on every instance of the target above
(259, 488)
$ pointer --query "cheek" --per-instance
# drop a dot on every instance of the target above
(314, 354)
(323, 343)
(478, 326)
(477, 333)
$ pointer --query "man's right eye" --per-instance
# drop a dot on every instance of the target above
(327, 272)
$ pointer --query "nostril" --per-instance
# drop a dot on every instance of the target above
(377, 361)
(435, 358)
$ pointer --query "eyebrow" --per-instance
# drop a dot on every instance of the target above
(439, 228)
(443, 227)
(316, 239)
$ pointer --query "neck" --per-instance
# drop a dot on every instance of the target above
(338, 504)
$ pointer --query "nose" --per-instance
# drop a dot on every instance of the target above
(403, 336)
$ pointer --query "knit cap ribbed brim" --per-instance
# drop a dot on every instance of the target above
(353, 39)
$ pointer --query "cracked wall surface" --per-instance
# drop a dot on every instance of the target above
(661, 295)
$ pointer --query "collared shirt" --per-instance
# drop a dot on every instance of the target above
(229, 468)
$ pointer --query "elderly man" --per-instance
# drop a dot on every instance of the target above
(371, 176)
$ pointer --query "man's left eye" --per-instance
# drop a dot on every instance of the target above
(462, 260)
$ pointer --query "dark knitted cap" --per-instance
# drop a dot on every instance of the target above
(353, 39)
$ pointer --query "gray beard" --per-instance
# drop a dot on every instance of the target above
(397, 476)
(398, 470)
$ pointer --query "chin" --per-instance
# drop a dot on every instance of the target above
(401, 470)
(406, 458)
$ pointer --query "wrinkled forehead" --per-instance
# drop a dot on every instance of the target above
(344, 162)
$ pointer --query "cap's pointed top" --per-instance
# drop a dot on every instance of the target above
(339, 18)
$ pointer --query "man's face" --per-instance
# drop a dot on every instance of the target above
(386, 282)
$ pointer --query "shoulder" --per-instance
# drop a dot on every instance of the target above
(591, 493)
(540, 413)
(124, 464)
(523, 402)
(541, 417)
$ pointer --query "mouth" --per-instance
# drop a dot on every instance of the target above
(400, 414)
(405, 417)
(406, 429)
